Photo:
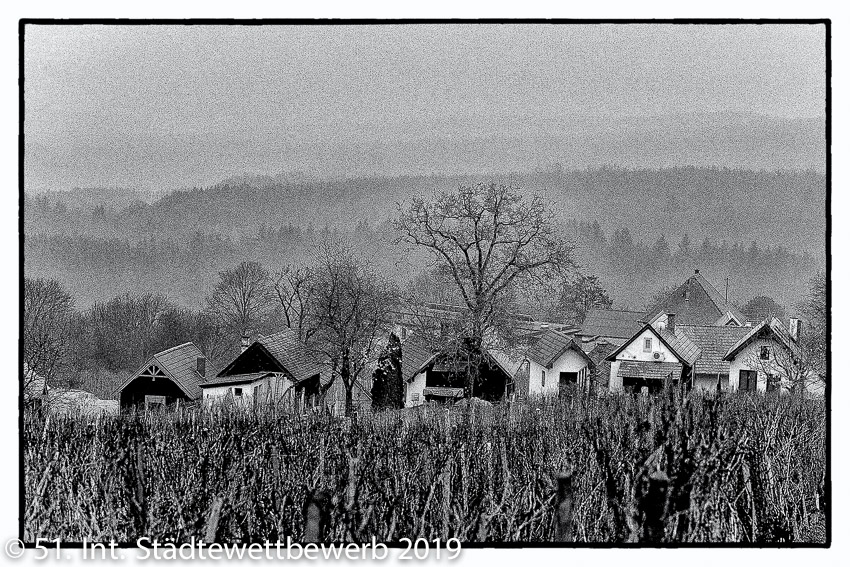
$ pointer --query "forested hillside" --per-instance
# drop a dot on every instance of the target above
(639, 230)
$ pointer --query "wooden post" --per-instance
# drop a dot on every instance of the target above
(564, 509)
(212, 521)
(316, 515)
(653, 507)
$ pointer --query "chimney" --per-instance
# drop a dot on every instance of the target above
(671, 322)
(201, 366)
(244, 343)
(794, 326)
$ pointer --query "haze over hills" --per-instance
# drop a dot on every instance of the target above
(449, 145)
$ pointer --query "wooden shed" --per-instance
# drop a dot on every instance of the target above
(167, 378)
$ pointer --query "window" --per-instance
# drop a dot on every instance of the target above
(764, 353)
(772, 383)
(237, 391)
(543, 378)
(647, 344)
(747, 380)
(414, 397)
(258, 391)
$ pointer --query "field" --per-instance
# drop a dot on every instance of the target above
(741, 469)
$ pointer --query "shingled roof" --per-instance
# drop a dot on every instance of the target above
(771, 326)
(612, 323)
(291, 353)
(415, 352)
(649, 370)
(696, 302)
(549, 347)
(678, 342)
(714, 343)
(180, 364)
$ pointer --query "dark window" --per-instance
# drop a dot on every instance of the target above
(647, 345)
(237, 391)
(543, 378)
(772, 383)
(764, 353)
(747, 381)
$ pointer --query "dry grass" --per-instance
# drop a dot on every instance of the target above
(741, 469)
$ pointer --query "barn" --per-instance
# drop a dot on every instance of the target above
(168, 377)
(273, 368)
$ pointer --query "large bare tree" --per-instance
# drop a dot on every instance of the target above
(349, 310)
(242, 299)
(48, 313)
(294, 288)
(492, 242)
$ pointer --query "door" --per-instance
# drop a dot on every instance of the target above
(567, 381)
(747, 380)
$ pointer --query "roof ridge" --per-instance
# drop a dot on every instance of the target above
(176, 347)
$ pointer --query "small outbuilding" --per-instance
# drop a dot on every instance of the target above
(168, 377)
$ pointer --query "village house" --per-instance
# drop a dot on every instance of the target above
(442, 376)
(705, 357)
(271, 369)
(555, 363)
(168, 377)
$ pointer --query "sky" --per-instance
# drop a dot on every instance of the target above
(142, 105)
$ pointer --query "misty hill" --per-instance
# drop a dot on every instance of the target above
(449, 146)
(764, 230)
(778, 208)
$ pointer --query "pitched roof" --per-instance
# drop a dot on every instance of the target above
(415, 352)
(678, 342)
(234, 379)
(611, 323)
(696, 302)
(714, 343)
(772, 325)
(291, 353)
(550, 346)
(180, 366)
(649, 370)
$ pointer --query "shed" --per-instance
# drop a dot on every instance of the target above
(168, 377)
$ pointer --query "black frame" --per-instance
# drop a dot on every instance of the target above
(826, 22)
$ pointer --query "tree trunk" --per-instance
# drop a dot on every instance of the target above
(347, 382)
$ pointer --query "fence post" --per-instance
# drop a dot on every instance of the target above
(564, 509)
(653, 507)
(214, 518)
(316, 515)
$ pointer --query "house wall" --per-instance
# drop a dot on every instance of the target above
(415, 386)
(634, 351)
(748, 359)
(272, 388)
(570, 361)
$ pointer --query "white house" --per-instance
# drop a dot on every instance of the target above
(272, 369)
(553, 363)
(703, 356)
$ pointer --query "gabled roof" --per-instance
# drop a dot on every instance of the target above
(550, 346)
(279, 352)
(179, 364)
(678, 343)
(415, 353)
(771, 326)
(696, 302)
(611, 323)
(714, 343)
(291, 353)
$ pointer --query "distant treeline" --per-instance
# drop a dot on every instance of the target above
(185, 270)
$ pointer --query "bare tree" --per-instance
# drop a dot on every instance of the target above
(492, 243)
(242, 298)
(293, 286)
(813, 340)
(48, 313)
(349, 313)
